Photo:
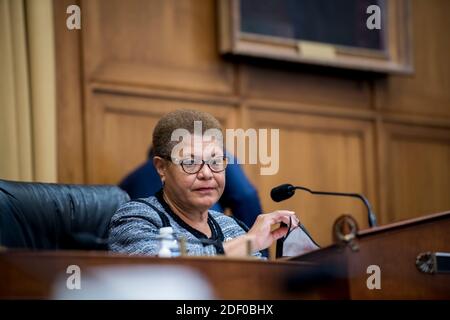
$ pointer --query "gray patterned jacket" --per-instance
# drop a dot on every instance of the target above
(134, 229)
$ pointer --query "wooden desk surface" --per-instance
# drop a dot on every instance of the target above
(26, 274)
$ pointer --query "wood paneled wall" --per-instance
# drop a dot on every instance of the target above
(387, 137)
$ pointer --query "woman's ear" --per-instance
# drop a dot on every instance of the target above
(160, 166)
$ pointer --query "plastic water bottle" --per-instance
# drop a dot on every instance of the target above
(168, 245)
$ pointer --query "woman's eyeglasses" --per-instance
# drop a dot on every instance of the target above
(193, 166)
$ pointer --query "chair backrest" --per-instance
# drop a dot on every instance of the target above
(56, 216)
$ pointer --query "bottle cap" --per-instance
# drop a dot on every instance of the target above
(165, 230)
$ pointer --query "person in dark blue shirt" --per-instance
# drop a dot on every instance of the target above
(240, 196)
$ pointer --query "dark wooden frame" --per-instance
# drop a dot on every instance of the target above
(396, 59)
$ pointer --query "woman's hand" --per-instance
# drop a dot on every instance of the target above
(261, 233)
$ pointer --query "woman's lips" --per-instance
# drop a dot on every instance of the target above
(205, 189)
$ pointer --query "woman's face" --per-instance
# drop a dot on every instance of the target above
(198, 191)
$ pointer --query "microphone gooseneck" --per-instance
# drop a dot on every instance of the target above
(285, 191)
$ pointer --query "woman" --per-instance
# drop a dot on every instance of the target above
(192, 184)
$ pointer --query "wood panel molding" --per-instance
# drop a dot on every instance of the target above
(415, 170)
(176, 95)
(426, 91)
(301, 85)
(322, 153)
(185, 57)
(312, 109)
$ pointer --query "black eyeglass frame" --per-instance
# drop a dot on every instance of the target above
(180, 162)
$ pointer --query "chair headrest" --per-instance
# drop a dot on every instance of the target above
(56, 216)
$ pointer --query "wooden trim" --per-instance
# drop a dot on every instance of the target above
(109, 88)
(380, 167)
(69, 98)
(417, 132)
(349, 113)
(405, 223)
(417, 120)
(339, 112)
(224, 27)
(115, 255)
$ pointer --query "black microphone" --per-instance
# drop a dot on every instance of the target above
(282, 192)
(285, 191)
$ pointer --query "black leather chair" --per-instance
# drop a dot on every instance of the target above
(48, 216)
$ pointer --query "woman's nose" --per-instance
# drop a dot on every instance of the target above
(205, 172)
